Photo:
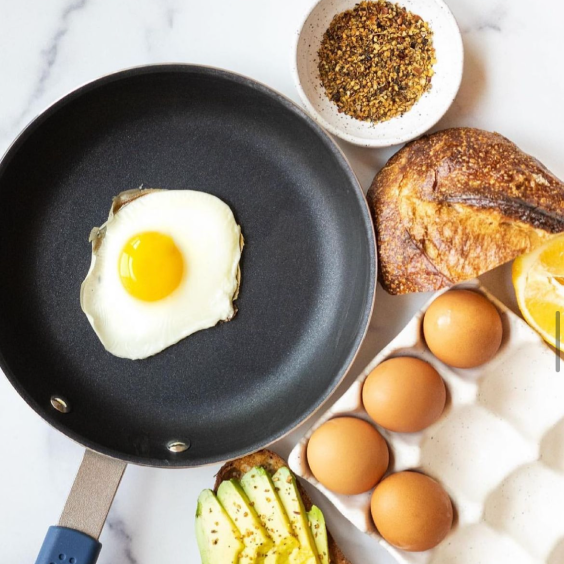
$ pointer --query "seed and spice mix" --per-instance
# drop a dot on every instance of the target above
(376, 60)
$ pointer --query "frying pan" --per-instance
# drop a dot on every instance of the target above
(308, 277)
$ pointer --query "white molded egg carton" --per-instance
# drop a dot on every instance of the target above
(498, 450)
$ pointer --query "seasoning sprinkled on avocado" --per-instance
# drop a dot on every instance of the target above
(252, 522)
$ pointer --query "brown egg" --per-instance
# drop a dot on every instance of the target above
(462, 328)
(347, 455)
(411, 511)
(404, 394)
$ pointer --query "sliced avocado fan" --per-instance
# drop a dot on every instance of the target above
(260, 520)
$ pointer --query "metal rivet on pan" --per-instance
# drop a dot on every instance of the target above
(178, 446)
(60, 404)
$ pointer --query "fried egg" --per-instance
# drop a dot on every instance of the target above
(164, 265)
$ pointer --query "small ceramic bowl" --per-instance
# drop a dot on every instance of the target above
(421, 117)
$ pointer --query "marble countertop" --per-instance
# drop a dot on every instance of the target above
(513, 83)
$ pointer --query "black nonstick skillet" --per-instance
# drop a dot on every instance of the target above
(308, 276)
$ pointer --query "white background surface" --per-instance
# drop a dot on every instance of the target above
(513, 83)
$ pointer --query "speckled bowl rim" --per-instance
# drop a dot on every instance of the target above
(391, 140)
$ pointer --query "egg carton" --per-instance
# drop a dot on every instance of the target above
(498, 450)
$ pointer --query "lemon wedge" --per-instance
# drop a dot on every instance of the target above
(538, 278)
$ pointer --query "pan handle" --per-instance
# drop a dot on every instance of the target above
(75, 539)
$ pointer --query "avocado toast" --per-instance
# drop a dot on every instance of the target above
(261, 514)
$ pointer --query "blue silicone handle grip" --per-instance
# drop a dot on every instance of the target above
(67, 546)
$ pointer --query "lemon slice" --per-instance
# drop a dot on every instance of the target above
(538, 278)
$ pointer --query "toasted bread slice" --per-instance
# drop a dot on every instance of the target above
(271, 462)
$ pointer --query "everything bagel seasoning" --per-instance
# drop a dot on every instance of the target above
(376, 60)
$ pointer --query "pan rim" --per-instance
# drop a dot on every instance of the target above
(292, 106)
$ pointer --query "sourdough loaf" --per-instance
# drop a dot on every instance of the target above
(455, 204)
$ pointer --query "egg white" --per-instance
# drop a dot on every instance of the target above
(209, 239)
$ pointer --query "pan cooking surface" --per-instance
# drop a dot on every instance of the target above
(307, 268)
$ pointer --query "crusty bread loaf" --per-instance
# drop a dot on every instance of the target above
(455, 204)
(271, 462)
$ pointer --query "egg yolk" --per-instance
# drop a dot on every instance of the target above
(150, 266)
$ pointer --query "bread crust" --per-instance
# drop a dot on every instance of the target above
(454, 204)
(271, 462)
